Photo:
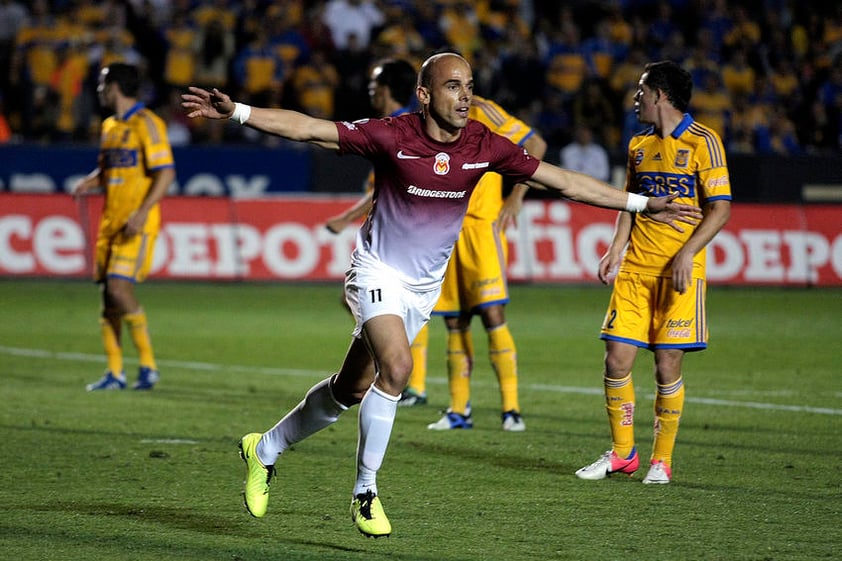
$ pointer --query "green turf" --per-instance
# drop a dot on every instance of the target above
(155, 476)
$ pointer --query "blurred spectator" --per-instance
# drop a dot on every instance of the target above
(66, 85)
(13, 15)
(592, 108)
(702, 60)
(821, 133)
(399, 37)
(744, 31)
(179, 131)
(286, 38)
(601, 52)
(745, 120)
(737, 76)
(552, 119)
(564, 59)
(345, 18)
(352, 64)
(715, 22)
(521, 74)
(676, 48)
(785, 83)
(116, 45)
(461, 28)
(313, 86)
(427, 24)
(214, 10)
(180, 62)
(626, 75)
(779, 137)
(214, 47)
(619, 30)
(661, 28)
(711, 103)
(585, 155)
(259, 72)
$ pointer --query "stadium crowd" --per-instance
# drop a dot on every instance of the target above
(767, 73)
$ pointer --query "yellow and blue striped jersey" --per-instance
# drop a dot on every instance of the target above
(487, 199)
(690, 161)
(131, 147)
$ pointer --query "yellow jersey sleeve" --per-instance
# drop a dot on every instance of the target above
(487, 199)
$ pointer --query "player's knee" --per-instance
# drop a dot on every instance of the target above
(616, 366)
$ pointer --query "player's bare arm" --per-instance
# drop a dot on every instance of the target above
(87, 185)
(361, 208)
(584, 188)
(716, 215)
(161, 181)
(287, 124)
(610, 262)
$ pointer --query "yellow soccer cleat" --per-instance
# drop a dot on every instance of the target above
(258, 476)
(367, 513)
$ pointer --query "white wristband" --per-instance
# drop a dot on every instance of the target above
(636, 203)
(241, 113)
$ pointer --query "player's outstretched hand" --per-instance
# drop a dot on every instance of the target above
(666, 210)
(209, 104)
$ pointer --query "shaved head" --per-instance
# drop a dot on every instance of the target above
(441, 60)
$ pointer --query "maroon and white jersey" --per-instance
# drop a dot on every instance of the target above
(422, 188)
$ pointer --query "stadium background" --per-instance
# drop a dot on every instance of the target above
(767, 73)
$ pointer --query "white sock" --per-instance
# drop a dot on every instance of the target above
(377, 415)
(316, 411)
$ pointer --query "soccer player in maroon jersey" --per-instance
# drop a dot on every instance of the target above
(426, 166)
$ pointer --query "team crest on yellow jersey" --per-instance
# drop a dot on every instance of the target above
(442, 164)
(638, 157)
(681, 158)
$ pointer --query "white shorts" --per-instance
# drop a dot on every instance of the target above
(373, 289)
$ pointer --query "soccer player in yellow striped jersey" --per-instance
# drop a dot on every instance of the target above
(658, 300)
(135, 169)
(475, 284)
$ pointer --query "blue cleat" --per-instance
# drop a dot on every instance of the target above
(146, 378)
(452, 421)
(513, 422)
(108, 382)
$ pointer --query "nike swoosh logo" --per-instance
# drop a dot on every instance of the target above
(402, 156)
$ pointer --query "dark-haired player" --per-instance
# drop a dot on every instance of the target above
(658, 301)
(135, 170)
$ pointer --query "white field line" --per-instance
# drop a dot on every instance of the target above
(307, 373)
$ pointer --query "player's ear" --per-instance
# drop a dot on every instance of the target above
(423, 95)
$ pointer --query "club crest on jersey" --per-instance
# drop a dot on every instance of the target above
(442, 164)
(681, 158)
(638, 157)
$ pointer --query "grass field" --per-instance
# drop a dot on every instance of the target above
(155, 475)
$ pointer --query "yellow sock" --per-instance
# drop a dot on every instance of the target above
(111, 344)
(460, 361)
(503, 354)
(669, 402)
(418, 376)
(140, 336)
(619, 402)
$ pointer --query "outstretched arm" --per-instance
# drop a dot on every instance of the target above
(584, 188)
(287, 124)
